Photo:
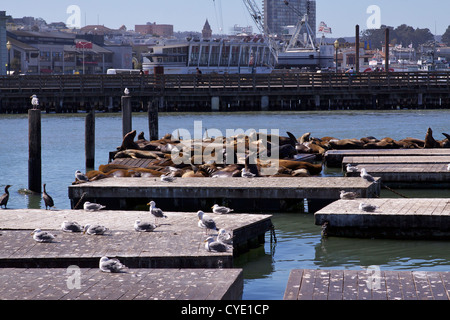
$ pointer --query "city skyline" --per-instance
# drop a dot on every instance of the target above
(340, 16)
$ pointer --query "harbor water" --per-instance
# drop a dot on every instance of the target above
(299, 243)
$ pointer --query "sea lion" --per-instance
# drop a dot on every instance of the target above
(346, 144)
(313, 169)
(139, 154)
(429, 140)
(128, 141)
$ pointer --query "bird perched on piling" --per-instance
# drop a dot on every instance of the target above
(5, 197)
(126, 91)
(140, 226)
(95, 229)
(156, 212)
(221, 209)
(216, 246)
(347, 195)
(42, 236)
(90, 206)
(367, 176)
(80, 176)
(47, 199)
(111, 265)
(71, 226)
(367, 207)
(34, 101)
(206, 222)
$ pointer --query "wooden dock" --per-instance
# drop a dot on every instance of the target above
(421, 175)
(405, 160)
(393, 218)
(334, 158)
(242, 194)
(365, 285)
(134, 284)
(177, 243)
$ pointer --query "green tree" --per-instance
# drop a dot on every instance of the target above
(446, 37)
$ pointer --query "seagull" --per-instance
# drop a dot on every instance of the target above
(94, 229)
(80, 176)
(211, 245)
(225, 237)
(367, 176)
(156, 212)
(206, 222)
(245, 173)
(5, 197)
(47, 199)
(34, 101)
(71, 226)
(111, 265)
(367, 207)
(42, 236)
(126, 91)
(167, 178)
(89, 206)
(448, 167)
(221, 210)
(144, 226)
(351, 168)
(347, 195)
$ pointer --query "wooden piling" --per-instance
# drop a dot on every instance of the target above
(386, 68)
(90, 139)
(357, 48)
(126, 115)
(153, 124)
(34, 151)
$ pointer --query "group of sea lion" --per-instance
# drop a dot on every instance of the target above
(286, 147)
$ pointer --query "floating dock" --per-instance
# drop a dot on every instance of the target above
(177, 242)
(393, 218)
(241, 194)
(366, 285)
(134, 284)
(334, 158)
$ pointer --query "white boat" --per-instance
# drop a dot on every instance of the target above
(209, 56)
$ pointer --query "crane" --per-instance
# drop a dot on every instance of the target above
(257, 17)
(302, 22)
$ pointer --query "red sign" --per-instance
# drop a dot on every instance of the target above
(83, 45)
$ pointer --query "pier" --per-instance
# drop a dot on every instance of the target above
(364, 285)
(242, 194)
(282, 90)
(418, 218)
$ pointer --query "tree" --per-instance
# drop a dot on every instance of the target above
(403, 34)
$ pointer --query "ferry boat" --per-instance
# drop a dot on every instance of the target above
(219, 56)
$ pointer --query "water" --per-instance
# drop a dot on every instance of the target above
(299, 245)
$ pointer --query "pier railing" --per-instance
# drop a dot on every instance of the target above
(161, 84)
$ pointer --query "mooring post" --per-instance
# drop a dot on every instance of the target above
(126, 115)
(357, 48)
(386, 60)
(34, 151)
(90, 139)
(153, 120)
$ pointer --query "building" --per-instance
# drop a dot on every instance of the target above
(161, 30)
(207, 31)
(3, 40)
(278, 16)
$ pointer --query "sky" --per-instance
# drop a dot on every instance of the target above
(190, 15)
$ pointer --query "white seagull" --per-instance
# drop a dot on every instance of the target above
(111, 265)
(206, 222)
(144, 226)
(347, 195)
(156, 212)
(42, 236)
(351, 168)
(225, 237)
(245, 173)
(80, 176)
(95, 229)
(71, 226)
(216, 246)
(167, 178)
(90, 206)
(367, 176)
(126, 91)
(221, 209)
(34, 101)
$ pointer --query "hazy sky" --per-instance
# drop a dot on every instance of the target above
(190, 15)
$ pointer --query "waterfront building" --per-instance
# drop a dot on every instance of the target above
(162, 30)
(3, 40)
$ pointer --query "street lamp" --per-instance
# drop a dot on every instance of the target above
(9, 46)
(336, 46)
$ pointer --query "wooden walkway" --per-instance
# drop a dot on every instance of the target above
(393, 218)
(260, 194)
(134, 284)
(405, 160)
(334, 158)
(177, 243)
(366, 285)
